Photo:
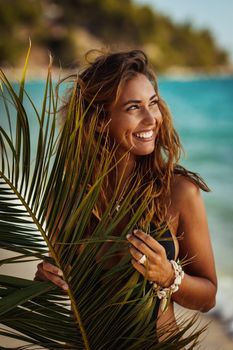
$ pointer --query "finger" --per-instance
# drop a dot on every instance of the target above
(56, 280)
(40, 273)
(51, 268)
(43, 275)
(39, 276)
(150, 241)
(140, 246)
(135, 253)
(140, 268)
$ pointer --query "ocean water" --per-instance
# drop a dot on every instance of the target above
(203, 115)
(202, 110)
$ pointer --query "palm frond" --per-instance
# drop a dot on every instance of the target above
(46, 202)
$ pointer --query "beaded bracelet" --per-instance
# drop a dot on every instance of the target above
(165, 293)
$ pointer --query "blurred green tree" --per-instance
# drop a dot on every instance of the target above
(53, 25)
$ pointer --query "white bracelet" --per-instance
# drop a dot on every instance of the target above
(165, 293)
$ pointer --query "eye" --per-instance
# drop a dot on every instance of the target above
(154, 102)
(132, 107)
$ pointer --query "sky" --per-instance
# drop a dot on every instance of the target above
(216, 15)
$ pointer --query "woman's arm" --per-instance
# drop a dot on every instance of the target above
(198, 288)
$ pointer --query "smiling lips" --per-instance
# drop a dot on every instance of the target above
(144, 135)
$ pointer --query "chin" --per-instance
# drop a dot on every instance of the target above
(142, 153)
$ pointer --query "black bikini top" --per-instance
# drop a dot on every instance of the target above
(167, 242)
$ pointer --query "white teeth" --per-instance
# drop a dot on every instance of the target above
(145, 135)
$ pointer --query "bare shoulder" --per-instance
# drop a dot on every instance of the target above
(184, 191)
(184, 184)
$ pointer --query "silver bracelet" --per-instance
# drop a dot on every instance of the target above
(165, 293)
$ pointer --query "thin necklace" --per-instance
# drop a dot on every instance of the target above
(122, 194)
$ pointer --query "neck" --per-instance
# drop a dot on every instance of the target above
(122, 173)
(125, 167)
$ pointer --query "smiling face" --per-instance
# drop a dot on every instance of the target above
(135, 117)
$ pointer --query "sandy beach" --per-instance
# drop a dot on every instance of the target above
(215, 337)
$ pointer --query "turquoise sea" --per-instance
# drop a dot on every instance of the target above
(202, 109)
(203, 114)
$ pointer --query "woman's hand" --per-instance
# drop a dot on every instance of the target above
(48, 272)
(157, 267)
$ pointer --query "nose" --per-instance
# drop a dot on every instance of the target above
(151, 117)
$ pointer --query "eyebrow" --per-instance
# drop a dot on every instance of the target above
(138, 101)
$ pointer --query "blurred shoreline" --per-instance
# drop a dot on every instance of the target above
(35, 73)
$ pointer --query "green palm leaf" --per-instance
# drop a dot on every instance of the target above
(46, 202)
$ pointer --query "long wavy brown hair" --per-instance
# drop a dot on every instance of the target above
(99, 84)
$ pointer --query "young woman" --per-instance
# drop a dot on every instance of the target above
(123, 88)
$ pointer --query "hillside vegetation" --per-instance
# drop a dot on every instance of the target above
(68, 28)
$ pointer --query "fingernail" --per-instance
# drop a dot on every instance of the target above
(135, 231)
(65, 286)
(60, 273)
(128, 235)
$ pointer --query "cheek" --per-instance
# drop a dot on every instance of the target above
(115, 130)
(112, 125)
(128, 135)
(119, 125)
